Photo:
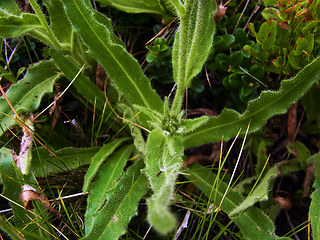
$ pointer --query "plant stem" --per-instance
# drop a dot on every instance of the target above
(44, 23)
(178, 99)
(181, 74)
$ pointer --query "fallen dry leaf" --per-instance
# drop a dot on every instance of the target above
(28, 194)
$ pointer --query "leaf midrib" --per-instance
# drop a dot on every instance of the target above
(110, 52)
(250, 116)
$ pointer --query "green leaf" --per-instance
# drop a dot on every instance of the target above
(15, 26)
(10, 7)
(135, 6)
(12, 181)
(270, 103)
(8, 75)
(163, 161)
(253, 223)
(25, 96)
(59, 22)
(122, 68)
(240, 36)
(222, 43)
(112, 220)
(193, 40)
(136, 132)
(270, 13)
(315, 203)
(192, 45)
(9, 229)
(103, 186)
(154, 117)
(299, 150)
(190, 125)
(314, 214)
(271, 2)
(20, 71)
(83, 84)
(260, 193)
(177, 5)
(98, 159)
(304, 45)
(44, 163)
(310, 104)
(267, 34)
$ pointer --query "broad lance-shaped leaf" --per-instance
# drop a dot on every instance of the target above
(104, 184)
(98, 159)
(260, 193)
(270, 103)
(59, 22)
(10, 178)
(83, 84)
(15, 26)
(253, 223)
(112, 220)
(12, 181)
(10, 7)
(314, 214)
(193, 40)
(122, 68)
(135, 6)
(192, 44)
(10, 230)
(25, 96)
(44, 163)
(163, 161)
(177, 6)
(315, 203)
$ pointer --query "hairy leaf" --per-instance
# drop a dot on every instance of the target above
(10, 7)
(12, 181)
(314, 214)
(270, 103)
(9, 229)
(135, 6)
(163, 161)
(83, 84)
(190, 125)
(59, 22)
(44, 163)
(99, 158)
(103, 186)
(253, 223)
(112, 220)
(25, 96)
(315, 203)
(15, 26)
(260, 193)
(193, 40)
(177, 5)
(136, 132)
(122, 68)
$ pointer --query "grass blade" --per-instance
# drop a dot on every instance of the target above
(253, 223)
